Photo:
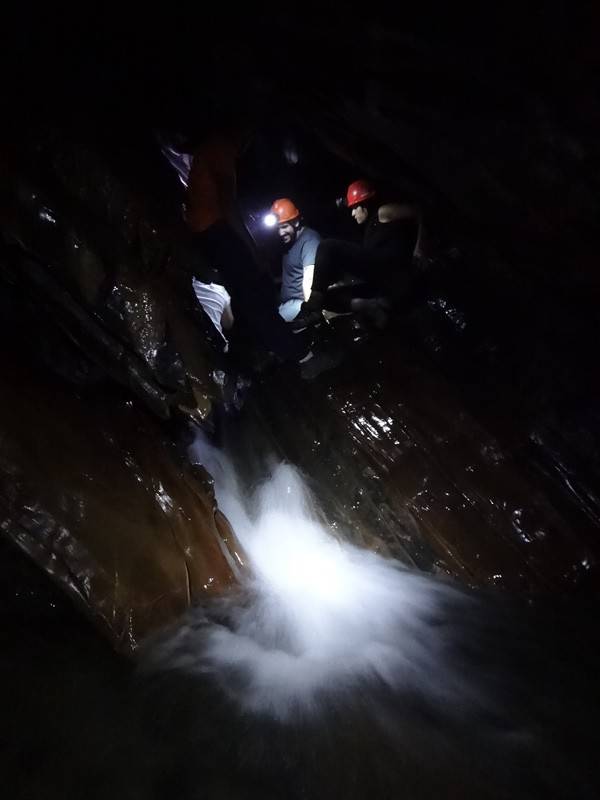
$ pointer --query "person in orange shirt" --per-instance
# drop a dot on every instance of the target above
(212, 181)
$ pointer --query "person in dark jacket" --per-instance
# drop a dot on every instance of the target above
(381, 263)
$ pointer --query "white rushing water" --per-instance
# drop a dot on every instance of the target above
(320, 615)
(337, 673)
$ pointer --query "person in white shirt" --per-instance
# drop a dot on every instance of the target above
(216, 302)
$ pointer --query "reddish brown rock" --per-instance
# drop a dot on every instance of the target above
(92, 490)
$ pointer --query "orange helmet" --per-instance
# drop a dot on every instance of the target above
(358, 192)
(285, 210)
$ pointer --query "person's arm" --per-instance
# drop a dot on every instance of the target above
(309, 256)
(307, 281)
(227, 318)
(393, 212)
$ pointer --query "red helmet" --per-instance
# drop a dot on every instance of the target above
(358, 192)
(285, 210)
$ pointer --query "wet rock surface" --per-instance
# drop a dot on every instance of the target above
(435, 441)
(93, 491)
(409, 464)
(87, 240)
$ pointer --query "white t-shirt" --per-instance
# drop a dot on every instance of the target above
(214, 299)
(181, 162)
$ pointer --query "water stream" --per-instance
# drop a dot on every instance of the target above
(335, 669)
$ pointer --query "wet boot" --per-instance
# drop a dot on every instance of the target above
(310, 313)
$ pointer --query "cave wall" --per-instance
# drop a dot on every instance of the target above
(112, 259)
(92, 490)
(489, 119)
